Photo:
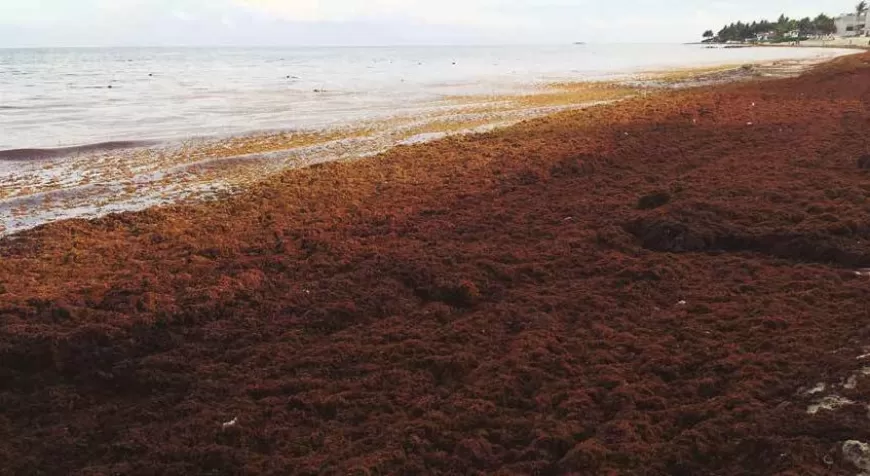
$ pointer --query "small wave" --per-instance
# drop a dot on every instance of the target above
(42, 154)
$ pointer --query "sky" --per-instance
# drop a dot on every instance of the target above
(47, 23)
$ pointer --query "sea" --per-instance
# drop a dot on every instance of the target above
(69, 97)
(87, 132)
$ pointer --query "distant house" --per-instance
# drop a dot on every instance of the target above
(851, 24)
(765, 36)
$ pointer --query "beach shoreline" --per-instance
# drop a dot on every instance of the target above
(92, 181)
(858, 42)
(675, 283)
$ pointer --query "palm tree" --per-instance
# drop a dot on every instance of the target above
(860, 9)
(805, 26)
(824, 25)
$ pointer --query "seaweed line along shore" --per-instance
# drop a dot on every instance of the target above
(130, 171)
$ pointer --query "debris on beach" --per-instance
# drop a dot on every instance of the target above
(858, 454)
(828, 403)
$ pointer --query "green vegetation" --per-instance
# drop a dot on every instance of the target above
(783, 29)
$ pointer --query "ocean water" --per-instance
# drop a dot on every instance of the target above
(53, 98)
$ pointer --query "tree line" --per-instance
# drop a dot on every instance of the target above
(821, 25)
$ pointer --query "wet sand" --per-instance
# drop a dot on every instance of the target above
(672, 284)
(41, 154)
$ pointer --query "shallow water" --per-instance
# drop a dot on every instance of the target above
(52, 98)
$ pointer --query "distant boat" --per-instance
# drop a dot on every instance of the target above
(579, 42)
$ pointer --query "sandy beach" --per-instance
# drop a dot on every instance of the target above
(674, 283)
(857, 42)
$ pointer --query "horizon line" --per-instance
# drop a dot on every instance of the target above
(337, 45)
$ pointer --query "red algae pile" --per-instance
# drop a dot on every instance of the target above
(674, 284)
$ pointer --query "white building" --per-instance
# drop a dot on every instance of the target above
(850, 24)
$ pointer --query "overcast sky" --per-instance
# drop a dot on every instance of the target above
(378, 22)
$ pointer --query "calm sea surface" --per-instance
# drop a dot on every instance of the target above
(72, 97)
